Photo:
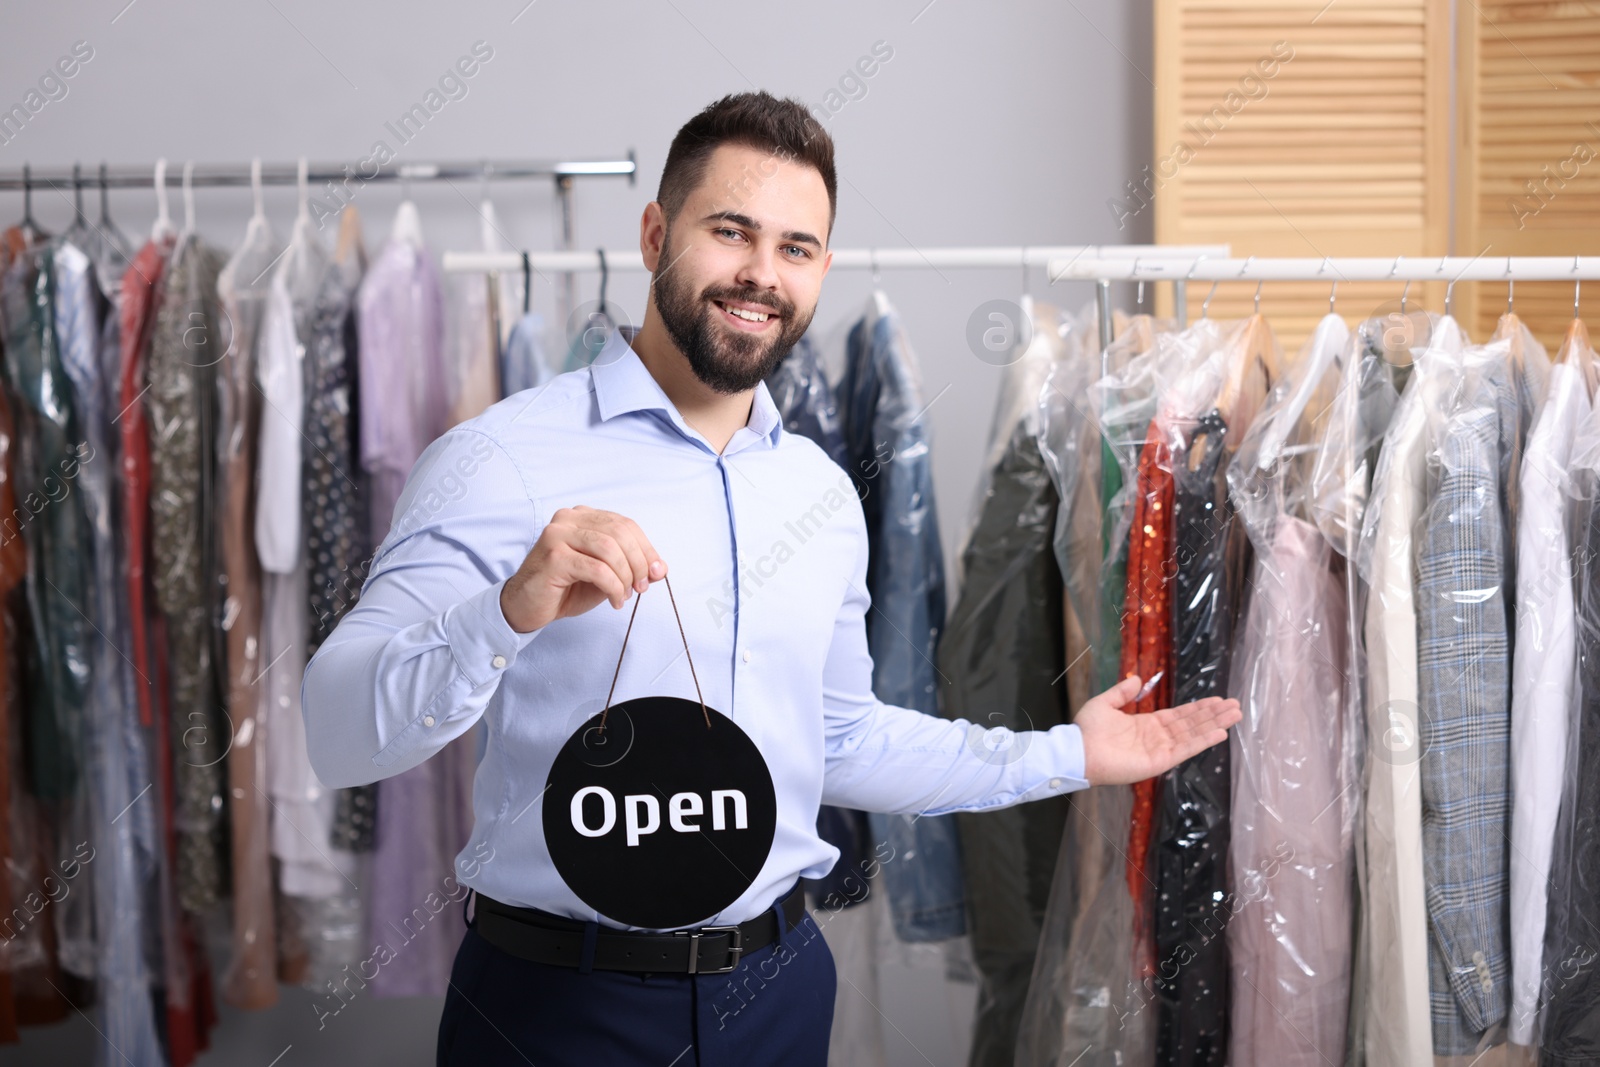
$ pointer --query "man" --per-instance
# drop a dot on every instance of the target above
(514, 525)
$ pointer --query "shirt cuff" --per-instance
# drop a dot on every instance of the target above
(483, 642)
(1063, 768)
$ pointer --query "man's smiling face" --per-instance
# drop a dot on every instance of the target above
(742, 264)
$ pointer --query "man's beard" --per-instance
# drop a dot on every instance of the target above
(726, 361)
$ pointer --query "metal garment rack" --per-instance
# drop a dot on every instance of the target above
(873, 259)
(562, 172)
(1449, 269)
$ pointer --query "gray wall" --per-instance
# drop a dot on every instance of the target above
(991, 124)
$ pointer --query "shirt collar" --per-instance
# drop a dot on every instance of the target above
(622, 383)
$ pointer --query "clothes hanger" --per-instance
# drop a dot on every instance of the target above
(78, 217)
(30, 228)
(105, 201)
(348, 249)
(605, 280)
(1575, 347)
(162, 229)
(1256, 348)
(80, 232)
(188, 199)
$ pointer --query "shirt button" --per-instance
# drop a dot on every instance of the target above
(427, 720)
(1055, 783)
(747, 655)
(498, 662)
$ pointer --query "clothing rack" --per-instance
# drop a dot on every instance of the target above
(1449, 269)
(874, 259)
(238, 174)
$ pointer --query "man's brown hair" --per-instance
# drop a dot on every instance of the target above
(756, 120)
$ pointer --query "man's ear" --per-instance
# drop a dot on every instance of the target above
(652, 234)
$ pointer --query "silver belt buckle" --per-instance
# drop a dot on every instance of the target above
(735, 947)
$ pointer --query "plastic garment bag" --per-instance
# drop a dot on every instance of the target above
(1465, 569)
(18, 814)
(1289, 916)
(1397, 1030)
(322, 907)
(57, 537)
(1177, 602)
(111, 893)
(1542, 670)
(175, 953)
(1085, 1002)
(1340, 481)
(1569, 1013)
(1071, 448)
(1206, 413)
(1004, 654)
(1143, 360)
(254, 356)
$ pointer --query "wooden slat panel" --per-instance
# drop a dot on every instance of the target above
(1340, 150)
(1529, 95)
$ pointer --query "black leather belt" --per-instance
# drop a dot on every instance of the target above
(541, 937)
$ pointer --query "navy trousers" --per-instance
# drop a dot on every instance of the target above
(774, 1010)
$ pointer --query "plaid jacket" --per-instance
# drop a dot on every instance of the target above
(1464, 667)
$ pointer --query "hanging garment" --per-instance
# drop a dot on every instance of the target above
(1003, 655)
(140, 289)
(1569, 1030)
(181, 405)
(1146, 625)
(1288, 916)
(1341, 479)
(1464, 571)
(251, 980)
(337, 549)
(15, 806)
(1072, 450)
(189, 1013)
(1147, 652)
(317, 868)
(1398, 1031)
(806, 402)
(1106, 1006)
(123, 842)
(1190, 843)
(244, 288)
(424, 816)
(472, 330)
(1542, 694)
(55, 530)
(522, 360)
(881, 410)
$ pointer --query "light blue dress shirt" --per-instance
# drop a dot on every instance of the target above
(766, 547)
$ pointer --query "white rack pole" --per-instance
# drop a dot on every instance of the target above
(858, 258)
(238, 174)
(1258, 269)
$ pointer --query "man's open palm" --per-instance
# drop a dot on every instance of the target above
(1119, 748)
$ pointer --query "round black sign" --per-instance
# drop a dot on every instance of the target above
(658, 821)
